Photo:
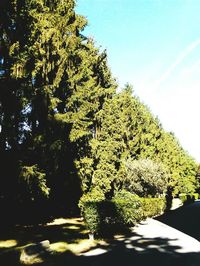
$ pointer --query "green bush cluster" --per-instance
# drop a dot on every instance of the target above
(152, 206)
(89, 205)
(128, 208)
(123, 211)
(146, 177)
(107, 216)
(188, 198)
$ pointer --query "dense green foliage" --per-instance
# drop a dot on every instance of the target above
(152, 206)
(145, 178)
(188, 198)
(53, 85)
(130, 132)
(105, 217)
(124, 210)
(64, 130)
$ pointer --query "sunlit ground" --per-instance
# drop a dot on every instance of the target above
(64, 235)
(70, 245)
(8, 243)
(82, 245)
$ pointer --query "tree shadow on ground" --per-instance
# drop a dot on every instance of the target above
(186, 219)
(14, 238)
(69, 229)
(127, 250)
(135, 250)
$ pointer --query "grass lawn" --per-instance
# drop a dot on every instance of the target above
(67, 237)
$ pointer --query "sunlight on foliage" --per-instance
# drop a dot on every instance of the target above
(34, 180)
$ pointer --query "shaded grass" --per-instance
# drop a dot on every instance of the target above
(69, 242)
(69, 230)
(65, 235)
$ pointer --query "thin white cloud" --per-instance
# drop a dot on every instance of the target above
(188, 71)
(178, 61)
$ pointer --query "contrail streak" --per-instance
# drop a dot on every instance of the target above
(184, 54)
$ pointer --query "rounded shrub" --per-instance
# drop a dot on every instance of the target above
(152, 207)
(128, 208)
(145, 178)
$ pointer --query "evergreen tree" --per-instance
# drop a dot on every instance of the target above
(182, 167)
(63, 127)
(55, 84)
(129, 130)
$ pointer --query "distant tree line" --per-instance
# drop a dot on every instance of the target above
(64, 130)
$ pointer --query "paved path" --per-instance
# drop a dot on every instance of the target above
(186, 219)
(153, 229)
(150, 243)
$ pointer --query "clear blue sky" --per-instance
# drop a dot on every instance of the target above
(155, 46)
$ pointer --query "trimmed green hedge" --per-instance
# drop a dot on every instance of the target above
(91, 216)
(109, 216)
(123, 211)
(128, 208)
(188, 198)
(152, 206)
